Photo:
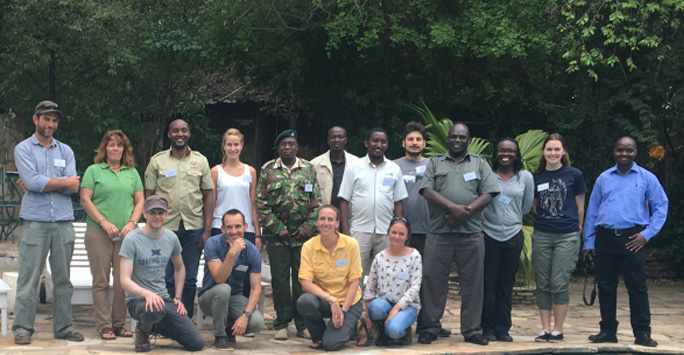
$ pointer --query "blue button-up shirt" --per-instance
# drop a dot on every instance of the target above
(622, 201)
(37, 165)
(245, 263)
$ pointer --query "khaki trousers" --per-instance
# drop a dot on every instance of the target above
(103, 255)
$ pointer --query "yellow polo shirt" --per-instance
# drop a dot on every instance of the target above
(180, 181)
(332, 272)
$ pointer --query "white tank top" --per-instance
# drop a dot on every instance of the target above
(233, 192)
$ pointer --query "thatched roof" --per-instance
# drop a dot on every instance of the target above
(223, 88)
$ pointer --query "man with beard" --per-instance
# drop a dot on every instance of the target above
(331, 164)
(457, 186)
(374, 189)
(287, 199)
(617, 227)
(183, 177)
(48, 171)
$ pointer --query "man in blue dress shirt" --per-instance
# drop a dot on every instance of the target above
(617, 227)
(47, 169)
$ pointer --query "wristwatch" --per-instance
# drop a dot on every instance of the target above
(248, 314)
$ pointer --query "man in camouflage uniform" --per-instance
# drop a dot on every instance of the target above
(287, 200)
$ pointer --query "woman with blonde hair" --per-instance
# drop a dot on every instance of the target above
(235, 187)
(112, 196)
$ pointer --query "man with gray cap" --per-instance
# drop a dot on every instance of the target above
(47, 169)
(145, 252)
(287, 202)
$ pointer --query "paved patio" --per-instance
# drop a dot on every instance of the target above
(667, 308)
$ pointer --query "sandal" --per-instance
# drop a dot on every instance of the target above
(107, 334)
(316, 345)
(123, 332)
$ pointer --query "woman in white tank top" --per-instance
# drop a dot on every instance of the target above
(235, 187)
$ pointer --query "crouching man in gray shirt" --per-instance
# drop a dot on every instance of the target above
(145, 252)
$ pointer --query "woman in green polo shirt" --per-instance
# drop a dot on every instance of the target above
(112, 196)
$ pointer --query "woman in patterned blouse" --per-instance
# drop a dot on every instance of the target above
(392, 294)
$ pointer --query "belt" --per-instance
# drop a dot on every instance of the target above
(623, 232)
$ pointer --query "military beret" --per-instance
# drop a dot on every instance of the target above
(285, 134)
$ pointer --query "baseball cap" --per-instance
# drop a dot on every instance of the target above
(47, 107)
(156, 202)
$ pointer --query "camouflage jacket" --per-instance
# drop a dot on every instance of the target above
(288, 201)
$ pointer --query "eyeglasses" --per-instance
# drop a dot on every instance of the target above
(397, 218)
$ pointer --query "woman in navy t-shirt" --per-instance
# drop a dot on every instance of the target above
(559, 204)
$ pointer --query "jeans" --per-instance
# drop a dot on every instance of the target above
(314, 309)
(396, 327)
(189, 240)
(168, 323)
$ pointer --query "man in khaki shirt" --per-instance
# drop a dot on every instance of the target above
(183, 177)
(331, 164)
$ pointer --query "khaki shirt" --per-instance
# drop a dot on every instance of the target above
(180, 181)
(324, 173)
(460, 183)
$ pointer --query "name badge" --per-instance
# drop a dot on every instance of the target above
(420, 169)
(60, 163)
(247, 178)
(409, 178)
(542, 187)
(341, 262)
(505, 199)
(241, 268)
(170, 173)
(308, 188)
(403, 275)
(470, 176)
(388, 181)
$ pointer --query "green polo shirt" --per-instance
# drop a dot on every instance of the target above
(112, 192)
(460, 183)
(180, 181)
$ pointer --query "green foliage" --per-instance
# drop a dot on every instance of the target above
(526, 270)
(531, 143)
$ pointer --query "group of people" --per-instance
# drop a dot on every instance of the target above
(326, 224)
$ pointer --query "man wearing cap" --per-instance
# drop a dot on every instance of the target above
(48, 170)
(229, 261)
(183, 177)
(287, 200)
(145, 252)
(331, 164)
(373, 189)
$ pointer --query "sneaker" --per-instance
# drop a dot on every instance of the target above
(222, 343)
(555, 338)
(72, 336)
(22, 339)
(142, 341)
(304, 333)
(543, 337)
(281, 334)
(249, 333)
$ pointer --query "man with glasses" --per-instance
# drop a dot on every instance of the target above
(48, 171)
(183, 177)
(373, 187)
(145, 252)
(457, 186)
(287, 199)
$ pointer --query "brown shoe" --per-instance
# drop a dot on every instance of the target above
(22, 339)
(72, 336)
